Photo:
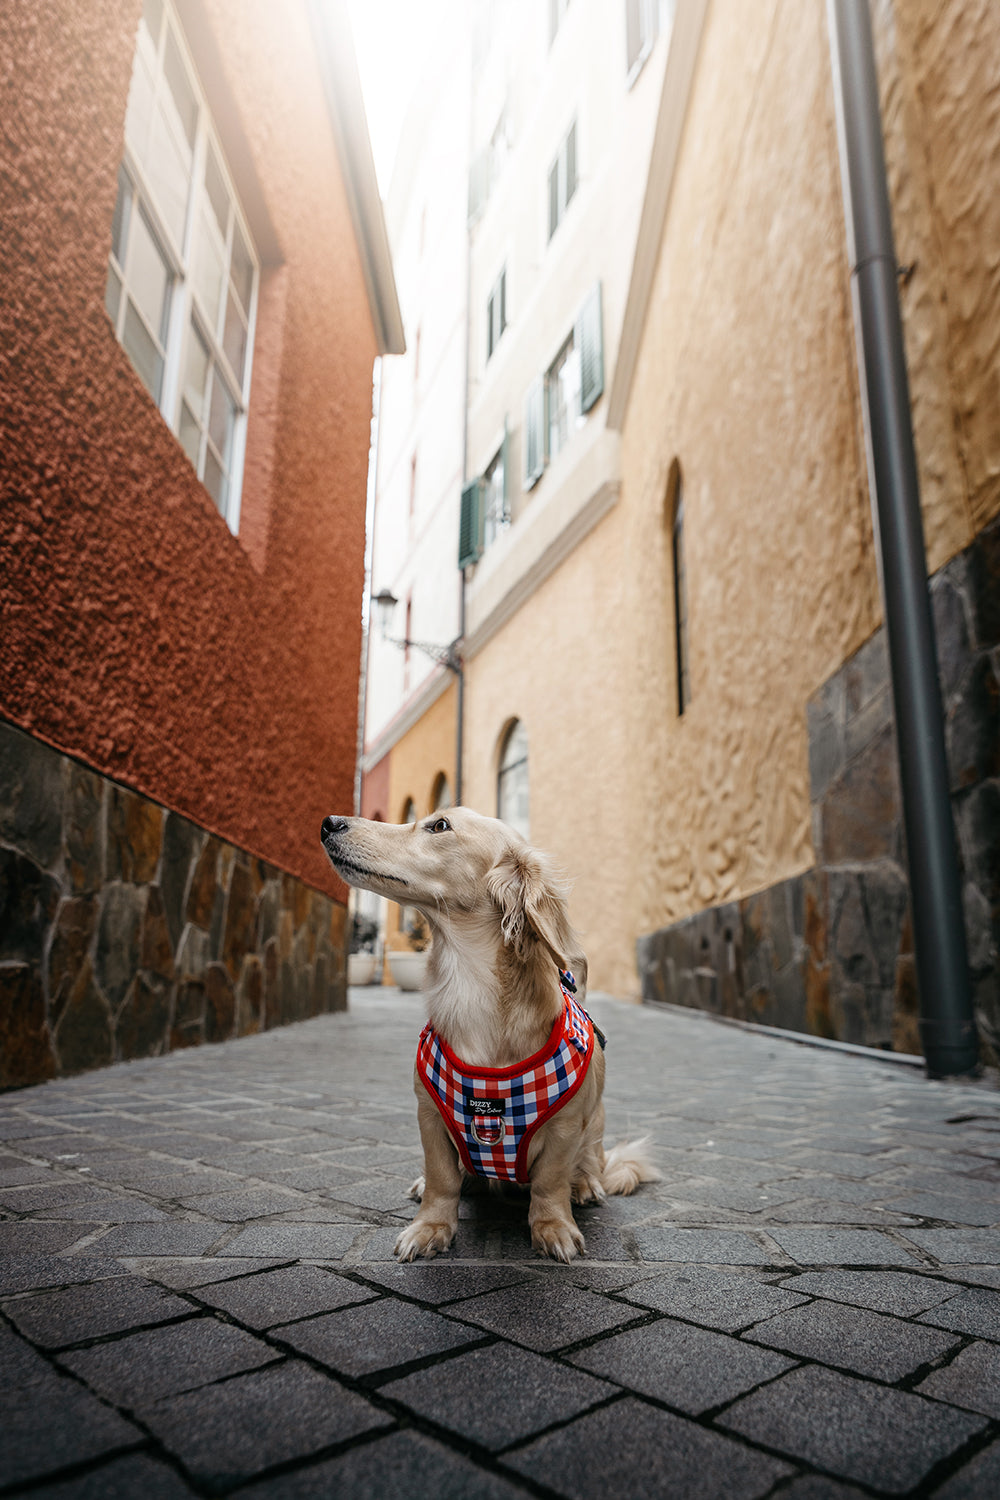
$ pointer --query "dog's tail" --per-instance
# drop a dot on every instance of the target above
(626, 1165)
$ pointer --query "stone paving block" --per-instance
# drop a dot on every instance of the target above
(316, 1179)
(717, 1299)
(292, 1241)
(283, 1295)
(26, 1200)
(852, 1428)
(688, 1368)
(72, 1314)
(856, 1339)
(955, 1209)
(227, 1433)
(23, 1173)
(253, 1203)
(720, 1247)
(26, 1273)
(442, 1281)
(835, 1189)
(977, 1480)
(814, 1212)
(144, 1367)
(498, 1396)
(956, 1246)
(108, 1208)
(402, 1466)
(544, 1314)
(972, 1380)
(594, 1278)
(898, 1292)
(170, 1237)
(975, 1311)
(40, 1236)
(48, 1422)
(375, 1337)
(631, 1449)
(818, 1487)
(387, 1195)
(851, 1247)
(121, 1479)
(193, 1271)
(839, 1163)
(972, 1275)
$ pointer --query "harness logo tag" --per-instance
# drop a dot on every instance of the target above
(487, 1120)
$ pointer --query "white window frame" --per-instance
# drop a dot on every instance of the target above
(563, 410)
(513, 783)
(565, 192)
(185, 306)
(496, 495)
(496, 314)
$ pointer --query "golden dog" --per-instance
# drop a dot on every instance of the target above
(501, 937)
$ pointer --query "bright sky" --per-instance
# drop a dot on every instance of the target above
(391, 38)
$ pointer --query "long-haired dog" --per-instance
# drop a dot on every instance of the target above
(510, 1074)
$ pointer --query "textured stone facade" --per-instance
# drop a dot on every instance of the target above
(126, 930)
(831, 951)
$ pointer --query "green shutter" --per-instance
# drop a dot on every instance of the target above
(470, 526)
(589, 339)
(534, 433)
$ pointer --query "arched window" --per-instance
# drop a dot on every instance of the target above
(512, 778)
(409, 811)
(441, 795)
(675, 515)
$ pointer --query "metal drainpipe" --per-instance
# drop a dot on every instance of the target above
(946, 1020)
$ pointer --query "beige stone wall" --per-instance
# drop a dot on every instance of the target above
(938, 70)
(415, 762)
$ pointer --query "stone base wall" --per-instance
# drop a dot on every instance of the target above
(126, 930)
(830, 952)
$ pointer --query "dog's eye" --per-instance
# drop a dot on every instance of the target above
(441, 826)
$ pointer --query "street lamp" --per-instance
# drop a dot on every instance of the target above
(448, 656)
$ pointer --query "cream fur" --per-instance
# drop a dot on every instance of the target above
(498, 915)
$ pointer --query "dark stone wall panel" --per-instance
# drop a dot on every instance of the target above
(126, 930)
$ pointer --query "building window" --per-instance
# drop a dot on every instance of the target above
(562, 180)
(557, 9)
(644, 19)
(182, 274)
(675, 502)
(512, 779)
(496, 505)
(496, 313)
(562, 391)
(557, 401)
(441, 795)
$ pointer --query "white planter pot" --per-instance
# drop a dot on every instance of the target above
(360, 968)
(408, 969)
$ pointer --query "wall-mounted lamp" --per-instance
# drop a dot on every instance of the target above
(448, 656)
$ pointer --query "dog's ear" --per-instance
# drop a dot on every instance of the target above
(532, 903)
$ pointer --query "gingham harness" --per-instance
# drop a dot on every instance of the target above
(492, 1113)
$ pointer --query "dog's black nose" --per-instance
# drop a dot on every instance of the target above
(332, 826)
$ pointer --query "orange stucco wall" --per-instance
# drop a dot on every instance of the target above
(215, 674)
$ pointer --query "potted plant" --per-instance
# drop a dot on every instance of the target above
(408, 966)
(361, 954)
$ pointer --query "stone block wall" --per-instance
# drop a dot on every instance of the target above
(126, 930)
(830, 952)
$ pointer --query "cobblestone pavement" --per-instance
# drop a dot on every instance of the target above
(198, 1294)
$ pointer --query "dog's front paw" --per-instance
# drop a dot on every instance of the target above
(417, 1190)
(559, 1238)
(588, 1189)
(424, 1238)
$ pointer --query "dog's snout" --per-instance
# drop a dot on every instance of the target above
(332, 826)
